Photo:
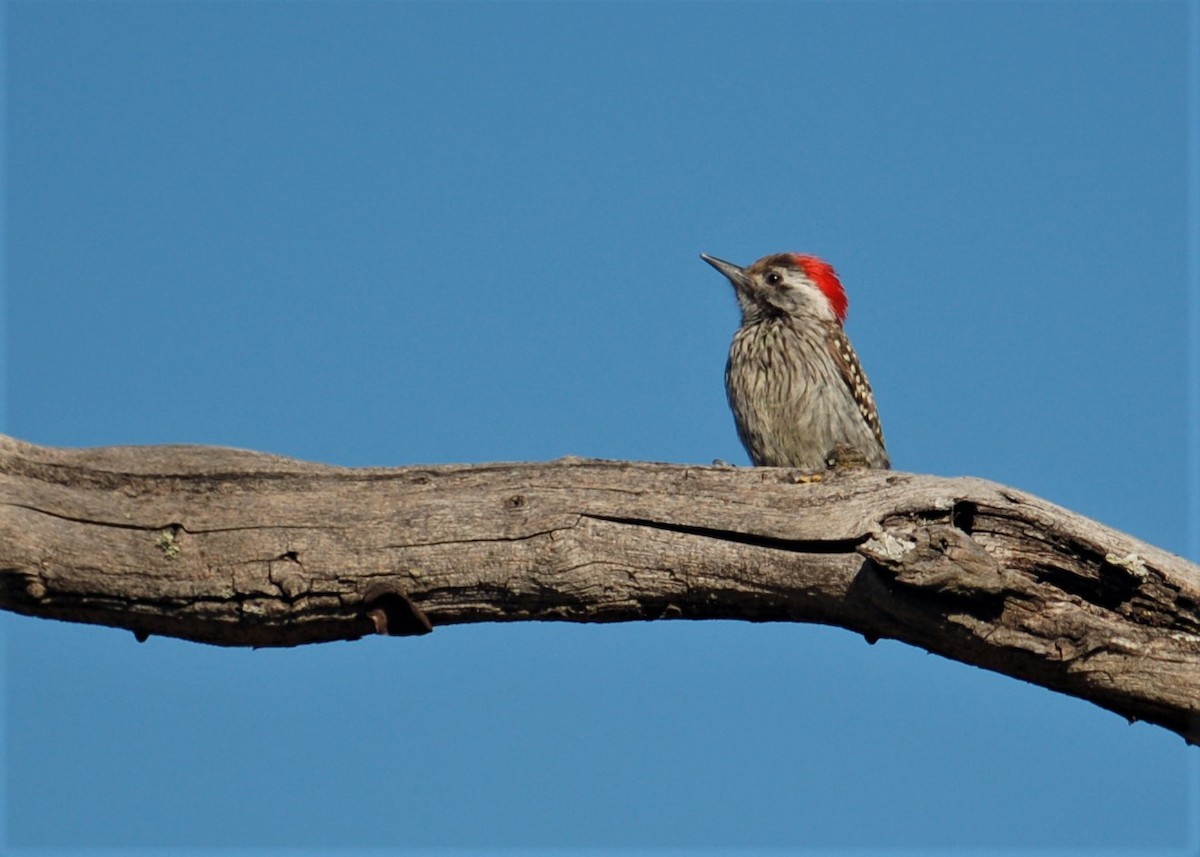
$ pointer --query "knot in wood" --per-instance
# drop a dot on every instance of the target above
(35, 588)
(940, 559)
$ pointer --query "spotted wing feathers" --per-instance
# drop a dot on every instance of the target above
(852, 373)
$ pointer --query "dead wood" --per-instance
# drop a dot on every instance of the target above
(245, 549)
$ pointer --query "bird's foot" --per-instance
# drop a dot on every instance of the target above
(843, 457)
(802, 477)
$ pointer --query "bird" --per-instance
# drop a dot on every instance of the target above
(799, 395)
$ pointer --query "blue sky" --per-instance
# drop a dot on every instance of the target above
(407, 233)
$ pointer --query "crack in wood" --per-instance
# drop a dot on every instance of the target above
(524, 537)
(123, 525)
(811, 546)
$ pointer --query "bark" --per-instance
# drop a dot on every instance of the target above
(239, 548)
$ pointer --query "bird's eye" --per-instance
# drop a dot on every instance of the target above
(774, 279)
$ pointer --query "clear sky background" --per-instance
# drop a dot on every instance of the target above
(388, 233)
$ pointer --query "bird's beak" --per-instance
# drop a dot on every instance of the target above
(732, 272)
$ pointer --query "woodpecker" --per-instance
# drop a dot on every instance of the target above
(799, 396)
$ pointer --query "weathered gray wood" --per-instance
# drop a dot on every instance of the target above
(240, 548)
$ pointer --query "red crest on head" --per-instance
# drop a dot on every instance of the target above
(826, 279)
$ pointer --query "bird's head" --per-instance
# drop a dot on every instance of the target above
(785, 284)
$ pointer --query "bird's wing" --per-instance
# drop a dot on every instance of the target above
(852, 373)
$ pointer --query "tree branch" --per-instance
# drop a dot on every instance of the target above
(245, 549)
